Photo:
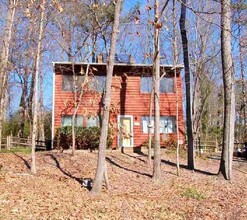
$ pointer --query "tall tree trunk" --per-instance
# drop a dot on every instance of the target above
(183, 31)
(175, 62)
(150, 128)
(75, 106)
(36, 94)
(229, 97)
(4, 56)
(156, 82)
(101, 166)
(22, 106)
(41, 122)
(31, 98)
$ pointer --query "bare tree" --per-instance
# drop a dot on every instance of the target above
(187, 85)
(229, 96)
(175, 62)
(150, 128)
(156, 86)
(36, 83)
(4, 56)
(101, 166)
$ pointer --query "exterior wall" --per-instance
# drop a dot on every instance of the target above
(127, 99)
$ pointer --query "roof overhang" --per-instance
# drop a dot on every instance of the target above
(137, 69)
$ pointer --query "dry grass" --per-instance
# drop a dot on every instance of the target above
(56, 191)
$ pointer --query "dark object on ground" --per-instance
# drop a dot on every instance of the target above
(87, 183)
(241, 152)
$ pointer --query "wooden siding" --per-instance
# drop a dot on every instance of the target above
(127, 99)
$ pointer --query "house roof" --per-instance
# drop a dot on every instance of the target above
(179, 66)
(119, 68)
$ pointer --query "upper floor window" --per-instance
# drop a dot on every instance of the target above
(97, 83)
(72, 83)
(166, 84)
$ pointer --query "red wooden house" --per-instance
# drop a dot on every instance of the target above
(131, 88)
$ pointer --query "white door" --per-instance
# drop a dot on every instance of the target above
(125, 128)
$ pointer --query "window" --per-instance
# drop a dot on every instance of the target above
(67, 120)
(93, 121)
(146, 84)
(145, 122)
(68, 82)
(98, 83)
(166, 85)
(167, 124)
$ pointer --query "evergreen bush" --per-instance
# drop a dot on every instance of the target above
(85, 138)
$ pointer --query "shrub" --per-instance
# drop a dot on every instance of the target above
(193, 193)
(170, 143)
(85, 138)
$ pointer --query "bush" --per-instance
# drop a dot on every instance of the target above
(170, 143)
(85, 138)
(193, 193)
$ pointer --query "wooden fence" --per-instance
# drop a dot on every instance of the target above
(205, 146)
(12, 142)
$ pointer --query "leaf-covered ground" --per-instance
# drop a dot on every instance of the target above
(56, 192)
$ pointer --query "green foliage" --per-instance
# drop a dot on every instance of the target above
(24, 150)
(12, 127)
(85, 138)
(47, 125)
(193, 193)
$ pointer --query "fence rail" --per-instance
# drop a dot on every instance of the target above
(12, 142)
(203, 145)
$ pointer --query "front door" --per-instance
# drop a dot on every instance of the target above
(125, 134)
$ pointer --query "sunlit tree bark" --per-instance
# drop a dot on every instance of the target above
(101, 166)
(229, 96)
(4, 56)
(36, 94)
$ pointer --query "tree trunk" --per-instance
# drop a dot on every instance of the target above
(191, 153)
(22, 106)
(4, 57)
(101, 166)
(41, 108)
(36, 94)
(77, 105)
(156, 83)
(175, 62)
(229, 97)
(150, 128)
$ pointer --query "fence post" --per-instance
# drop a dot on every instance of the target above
(200, 147)
(8, 144)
